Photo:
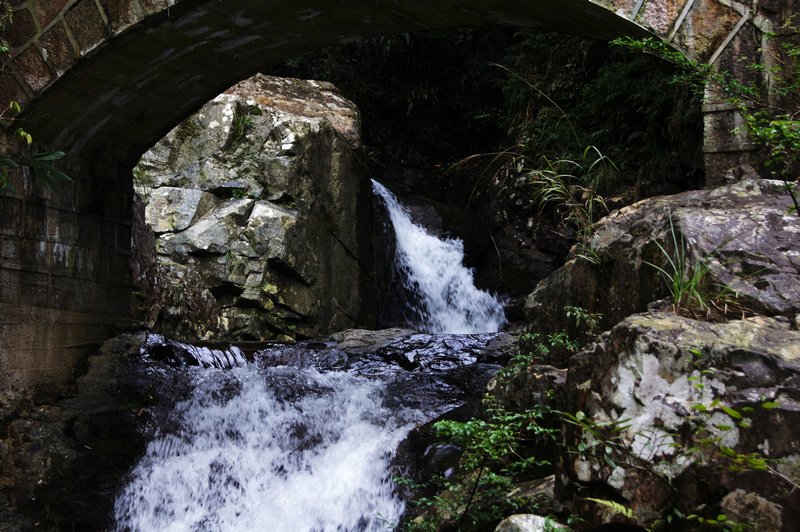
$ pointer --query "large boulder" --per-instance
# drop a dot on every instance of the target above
(261, 215)
(743, 235)
(669, 411)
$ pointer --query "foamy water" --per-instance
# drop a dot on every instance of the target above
(433, 269)
(275, 449)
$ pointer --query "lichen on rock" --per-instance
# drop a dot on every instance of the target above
(672, 401)
(260, 188)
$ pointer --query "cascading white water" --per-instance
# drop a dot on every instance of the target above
(275, 449)
(434, 270)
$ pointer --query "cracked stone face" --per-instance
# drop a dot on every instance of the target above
(259, 194)
(666, 393)
(741, 233)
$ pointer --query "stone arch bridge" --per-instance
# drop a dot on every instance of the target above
(105, 79)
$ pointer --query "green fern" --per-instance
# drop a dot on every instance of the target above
(615, 507)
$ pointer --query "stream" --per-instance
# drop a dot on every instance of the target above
(302, 437)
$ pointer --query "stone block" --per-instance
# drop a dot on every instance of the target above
(624, 7)
(33, 69)
(153, 6)
(117, 266)
(48, 10)
(11, 90)
(124, 232)
(10, 252)
(107, 233)
(32, 286)
(660, 16)
(63, 259)
(122, 13)
(75, 294)
(11, 215)
(23, 28)
(44, 346)
(95, 233)
(87, 262)
(35, 220)
(86, 25)
(66, 224)
(705, 28)
(57, 49)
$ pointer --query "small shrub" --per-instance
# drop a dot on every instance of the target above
(495, 457)
(689, 283)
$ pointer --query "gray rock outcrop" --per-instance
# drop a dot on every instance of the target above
(742, 235)
(261, 213)
(528, 523)
(665, 404)
(678, 407)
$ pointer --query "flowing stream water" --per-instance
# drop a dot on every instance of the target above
(432, 268)
(301, 438)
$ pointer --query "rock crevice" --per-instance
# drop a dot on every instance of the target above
(258, 204)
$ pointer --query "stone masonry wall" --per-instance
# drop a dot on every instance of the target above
(64, 275)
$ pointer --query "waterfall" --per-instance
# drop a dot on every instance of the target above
(433, 270)
(275, 449)
(252, 445)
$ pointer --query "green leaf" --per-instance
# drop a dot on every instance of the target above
(614, 506)
(9, 163)
(24, 135)
(769, 405)
(48, 174)
(49, 156)
(731, 412)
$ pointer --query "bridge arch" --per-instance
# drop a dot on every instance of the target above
(105, 79)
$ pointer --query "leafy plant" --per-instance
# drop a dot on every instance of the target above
(241, 126)
(40, 164)
(537, 348)
(688, 280)
(188, 129)
(5, 22)
(583, 317)
(493, 457)
(570, 189)
(613, 506)
(771, 114)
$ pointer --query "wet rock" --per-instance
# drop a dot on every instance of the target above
(61, 462)
(742, 233)
(535, 385)
(67, 460)
(528, 523)
(179, 354)
(262, 216)
(751, 508)
(663, 397)
(364, 340)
